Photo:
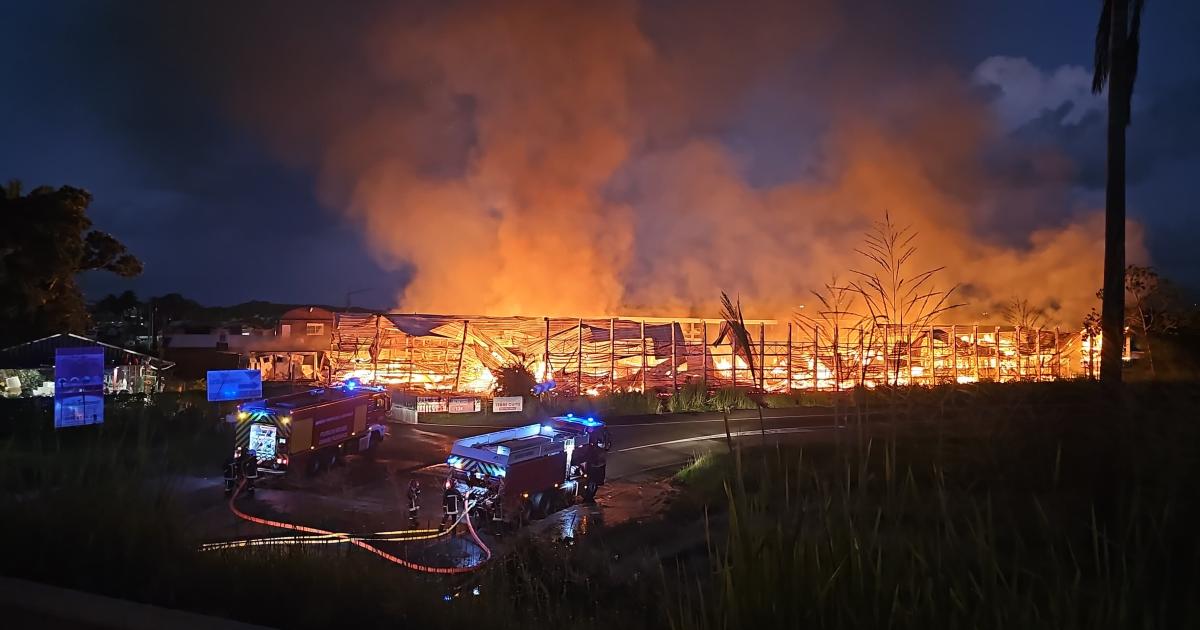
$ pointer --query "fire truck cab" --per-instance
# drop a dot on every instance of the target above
(311, 429)
(530, 471)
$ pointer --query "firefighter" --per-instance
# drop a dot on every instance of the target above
(450, 501)
(250, 469)
(231, 473)
(414, 505)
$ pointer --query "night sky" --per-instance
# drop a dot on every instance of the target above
(131, 104)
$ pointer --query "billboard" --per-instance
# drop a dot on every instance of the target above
(507, 404)
(234, 385)
(78, 386)
(431, 404)
(464, 405)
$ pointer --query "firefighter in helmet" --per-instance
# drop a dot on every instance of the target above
(230, 472)
(450, 505)
(250, 469)
(414, 501)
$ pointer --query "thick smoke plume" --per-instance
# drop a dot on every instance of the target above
(597, 158)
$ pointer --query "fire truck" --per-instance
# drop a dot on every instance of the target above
(528, 472)
(312, 429)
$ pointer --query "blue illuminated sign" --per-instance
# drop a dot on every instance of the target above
(78, 386)
(234, 385)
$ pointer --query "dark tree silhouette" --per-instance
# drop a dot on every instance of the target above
(1117, 43)
(46, 242)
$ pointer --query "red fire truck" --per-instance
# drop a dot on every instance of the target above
(311, 429)
(527, 472)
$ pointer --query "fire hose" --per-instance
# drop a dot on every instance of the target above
(362, 541)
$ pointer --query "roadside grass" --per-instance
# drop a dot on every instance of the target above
(967, 514)
(983, 506)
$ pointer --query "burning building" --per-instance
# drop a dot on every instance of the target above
(589, 356)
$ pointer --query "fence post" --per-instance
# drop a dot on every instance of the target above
(461, 348)
(579, 350)
(704, 352)
(643, 356)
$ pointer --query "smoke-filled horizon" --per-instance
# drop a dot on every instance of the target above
(548, 158)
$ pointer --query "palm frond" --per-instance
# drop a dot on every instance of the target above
(731, 312)
(1103, 48)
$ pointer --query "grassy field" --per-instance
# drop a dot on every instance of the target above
(1031, 506)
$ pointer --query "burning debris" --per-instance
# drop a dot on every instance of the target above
(441, 353)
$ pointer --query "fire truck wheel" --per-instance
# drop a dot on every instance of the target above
(313, 466)
(589, 492)
(542, 505)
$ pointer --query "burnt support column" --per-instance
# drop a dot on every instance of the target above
(579, 353)
(762, 358)
(462, 347)
(789, 359)
(612, 353)
(996, 341)
(643, 356)
(932, 359)
(674, 361)
(975, 343)
(548, 371)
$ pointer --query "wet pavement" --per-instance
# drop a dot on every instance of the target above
(368, 493)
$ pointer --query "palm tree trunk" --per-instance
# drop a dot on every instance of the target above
(1112, 316)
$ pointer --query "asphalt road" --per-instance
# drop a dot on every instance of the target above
(368, 494)
(639, 444)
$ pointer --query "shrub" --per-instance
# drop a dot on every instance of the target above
(514, 379)
(691, 397)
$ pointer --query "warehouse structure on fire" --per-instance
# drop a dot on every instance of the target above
(444, 353)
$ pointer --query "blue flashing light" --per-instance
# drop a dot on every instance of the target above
(352, 384)
(570, 415)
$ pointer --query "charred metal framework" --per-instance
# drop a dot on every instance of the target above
(442, 353)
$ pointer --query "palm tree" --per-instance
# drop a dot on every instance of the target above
(1116, 65)
(735, 325)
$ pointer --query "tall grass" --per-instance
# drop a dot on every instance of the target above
(1062, 520)
(966, 507)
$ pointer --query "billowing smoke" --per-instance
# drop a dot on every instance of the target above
(597, 158)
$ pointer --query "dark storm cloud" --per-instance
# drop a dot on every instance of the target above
(1165, 129)
(206, 208)
(261, 135)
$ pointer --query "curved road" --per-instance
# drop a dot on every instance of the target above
(639, 443)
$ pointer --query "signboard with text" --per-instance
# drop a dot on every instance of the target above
(508, 404)
(464, 405)
(234, 385)
(78, 386)
(431, 404)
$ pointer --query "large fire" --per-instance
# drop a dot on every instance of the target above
(548, 158)
(446, 354)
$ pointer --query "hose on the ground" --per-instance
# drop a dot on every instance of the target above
(363, 544)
